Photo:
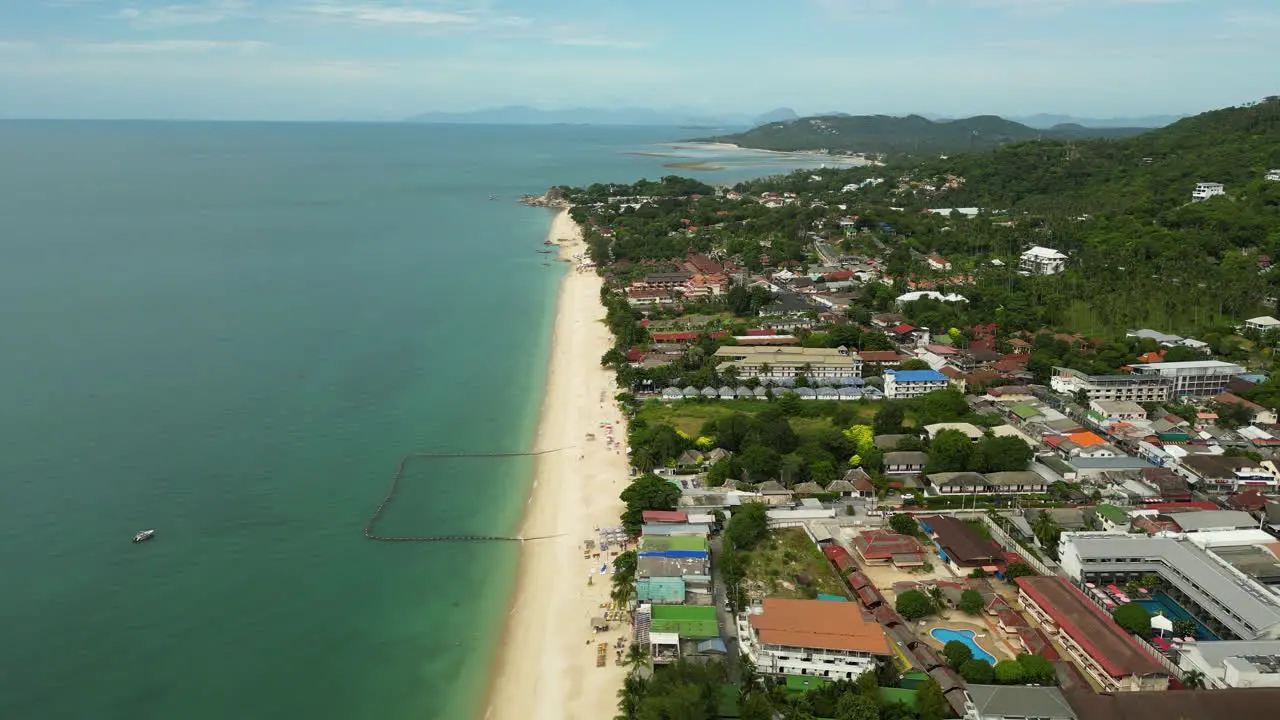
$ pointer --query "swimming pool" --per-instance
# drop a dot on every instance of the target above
(946, 635)
(1161, 603)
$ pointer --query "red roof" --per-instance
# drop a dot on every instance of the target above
(839, 557)
(883, 545)
(1180, 506)
(665, 516)
(838, 275)
(903, 328)
(869, 596)
(1248, 500)
(857, 580)
(880, 356)
(755, 332)
(635, 355)
(1037, 643)
(1111, 647)
(1012, 619)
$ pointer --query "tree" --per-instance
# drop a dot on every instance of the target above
(789, 403)
(971, 602)
(1037, 670)
(1046, 529)
(1134, 619)
(756, 706)
(1193, 680)
(913, 605)
(748, 526)
(949, 452)
(888, 420)
(956, 653)
(862, 438)
(857, 707)
(977, 672)
(1008, 672)
(904, 524)
(936, 597)
(624, 577)
(647, 492)
(999, 454)
(637, 656)
(1015, 570)
(1185, 628)
(931, 704)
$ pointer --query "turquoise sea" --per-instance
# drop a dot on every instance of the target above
(232, 333)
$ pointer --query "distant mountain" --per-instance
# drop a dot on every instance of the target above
(1048, 120)
(912, 134)
(523, 115)
(782, 114)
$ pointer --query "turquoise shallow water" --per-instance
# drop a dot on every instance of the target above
(232, 333)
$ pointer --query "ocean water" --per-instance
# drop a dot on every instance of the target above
(232, 333)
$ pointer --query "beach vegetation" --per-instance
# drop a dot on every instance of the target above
(647, 492)
(681, 691)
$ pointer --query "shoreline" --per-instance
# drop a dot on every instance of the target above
(545, 665)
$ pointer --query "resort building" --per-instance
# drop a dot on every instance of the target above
(1198, 378)
(1105, 652)
(959, 545)
(912, 383)
(830, 365)
(675, 631)
(1228, 602)
(1273, 175)
(1135, 388)
(1263, 323)
(905, 462)
(1000, 483)
(812, 637)
(1042, 261)
(1234, 663)
(1206, 190)
(1014, 702)
(881, 547)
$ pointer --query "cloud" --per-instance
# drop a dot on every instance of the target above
(148, 47)
(16, 46)
(209, 12)
(600, 42)
(378, 15)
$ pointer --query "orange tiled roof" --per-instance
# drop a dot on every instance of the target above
(1085, 439)
(819, 624)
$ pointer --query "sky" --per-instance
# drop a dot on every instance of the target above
(385, 60)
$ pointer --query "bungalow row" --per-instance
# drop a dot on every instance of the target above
(997, 483)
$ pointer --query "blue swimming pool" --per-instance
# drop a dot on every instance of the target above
(1167, 606)
(944, 636)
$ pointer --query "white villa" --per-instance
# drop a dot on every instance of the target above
(1206, 190)
(1042, 261)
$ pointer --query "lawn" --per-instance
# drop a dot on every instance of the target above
(787, 564)
(688, 416)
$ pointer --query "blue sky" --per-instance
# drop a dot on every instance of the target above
(383, 60)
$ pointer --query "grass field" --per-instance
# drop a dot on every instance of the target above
(787, 564)
(688, 416)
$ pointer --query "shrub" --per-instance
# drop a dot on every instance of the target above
(956, 653)
(1009, 672)
(1134, 619)
(971, 602)
(913, 605)
(977, 672)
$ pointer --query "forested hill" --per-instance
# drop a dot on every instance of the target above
(1145, 175)
(911, 135)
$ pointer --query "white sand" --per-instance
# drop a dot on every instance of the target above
(546, 666)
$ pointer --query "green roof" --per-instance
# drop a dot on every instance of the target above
(660, 543)
(687, 621)
(804, 683)
(893, 695)
(1025, 411)
(913, 680)
(1112, 513)
(833, 598)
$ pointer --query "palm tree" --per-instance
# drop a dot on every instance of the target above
(935, 596)
(636, 657)
(1193, 680)
(629, 695)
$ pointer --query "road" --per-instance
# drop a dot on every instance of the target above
(728, 625)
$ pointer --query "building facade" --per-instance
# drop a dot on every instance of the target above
(817, 638)
(1042, 261)
(913, 383)
(830, 365)
(1205, 190)
(1133, 387)
(1197, 378)
(1234, 663)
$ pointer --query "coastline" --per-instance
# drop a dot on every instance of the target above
(546, 663)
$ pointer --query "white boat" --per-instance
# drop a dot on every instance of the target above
(144, 536)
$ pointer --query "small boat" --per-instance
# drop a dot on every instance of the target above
(493, 197)
(144, 536)
(546, 252)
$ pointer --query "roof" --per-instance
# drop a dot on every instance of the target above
(1113, 648)
(1086, 439)
(889, 442)
(880, 356)
(1198, 705)
(1112, 513)
(1163, 367)
(688, 621)
(665, 516)
(1026, 411)
(969, 430)
(818, 624)
(915, 375)
(906, 457)
(1015, 477)
(1196, 520)
(883, 545)
(857, 479)
(960, 542)
(1047, 703)
(1193, 563)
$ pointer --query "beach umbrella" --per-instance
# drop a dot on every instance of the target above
(1161, 623)
(1144, 591)
(1090, 585)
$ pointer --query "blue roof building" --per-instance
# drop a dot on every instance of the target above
(913, 383)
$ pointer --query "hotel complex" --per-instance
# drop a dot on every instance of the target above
(1150, 382)
(1224, 599)
(812, 637)
(833, 366)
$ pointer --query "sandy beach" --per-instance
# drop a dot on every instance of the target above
(546, 667)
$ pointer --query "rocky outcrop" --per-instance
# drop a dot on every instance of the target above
(553, 198)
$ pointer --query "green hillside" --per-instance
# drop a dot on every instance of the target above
(911, 135)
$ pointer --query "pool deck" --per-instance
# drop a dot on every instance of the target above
(987, 636)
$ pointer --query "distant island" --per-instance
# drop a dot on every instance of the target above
(910, 135)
